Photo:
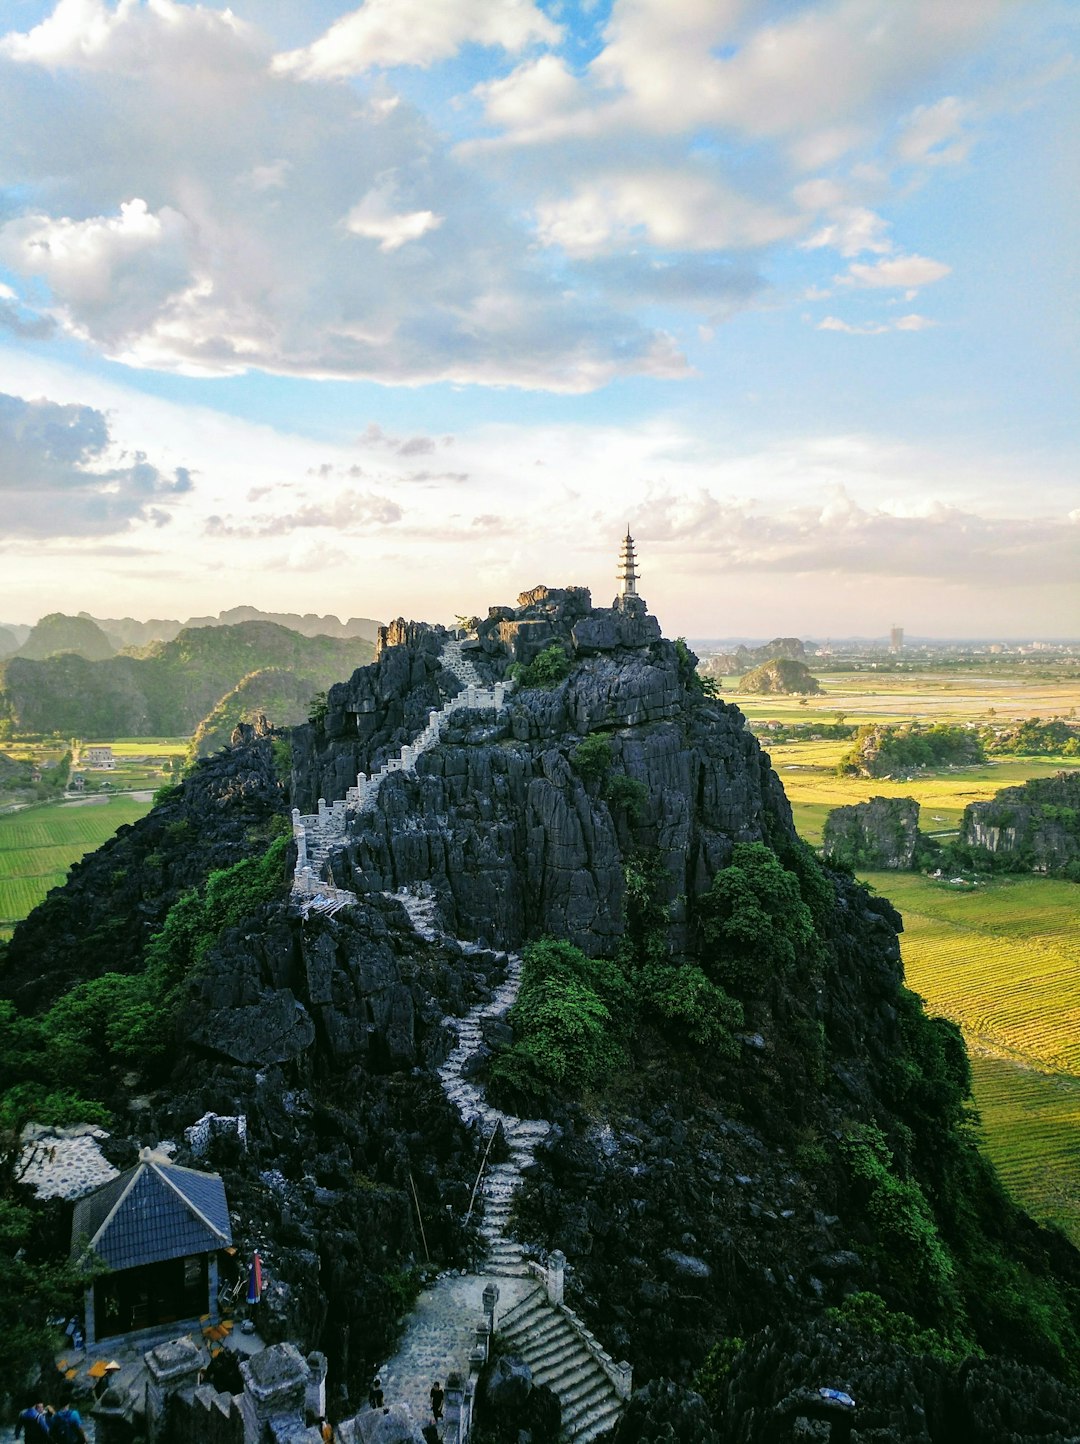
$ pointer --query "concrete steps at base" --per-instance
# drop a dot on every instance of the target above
(541, 1335)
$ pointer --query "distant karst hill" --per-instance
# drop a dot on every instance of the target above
(285, 697)
(781, 675)
(171, 686)
(58, 633)
(8, 642)
(722, 664)
(127, 632)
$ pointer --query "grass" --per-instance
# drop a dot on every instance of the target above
(39, 844)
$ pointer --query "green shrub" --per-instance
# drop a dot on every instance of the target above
(868, 1313)
(911, 1251)
(592, 757)
(570, 1018)
(684, 997)
(710, 1381)
(627, 793)
(754, 923)
(546, 670)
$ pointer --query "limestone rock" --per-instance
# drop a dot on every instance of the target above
(879, 833)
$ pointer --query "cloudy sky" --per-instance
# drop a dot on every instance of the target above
(407, 306)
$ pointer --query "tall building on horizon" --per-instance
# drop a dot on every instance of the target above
(896, 638)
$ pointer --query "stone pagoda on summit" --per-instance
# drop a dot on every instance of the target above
(628, 601)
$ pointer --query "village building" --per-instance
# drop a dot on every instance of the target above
(157, 1229)
(99, 757)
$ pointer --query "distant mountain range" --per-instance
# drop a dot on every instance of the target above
(59, 632)
(167, 688)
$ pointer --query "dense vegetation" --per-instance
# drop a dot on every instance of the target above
(782, 676)
(167, 688)
(883, 751)
(547, 669)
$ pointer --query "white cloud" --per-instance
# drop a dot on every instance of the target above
(375, 218)
(817, 76)
(185, 208)
(899, 271)
(417, 32)
(529, 95)
(851, 231)
(934, 134)
(912, 322)
(685, 210)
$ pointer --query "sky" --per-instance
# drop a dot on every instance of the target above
(403, 308)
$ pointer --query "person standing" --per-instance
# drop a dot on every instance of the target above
(33, 1423)
(438, 1395)
(66, 1426)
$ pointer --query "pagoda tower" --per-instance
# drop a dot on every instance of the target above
(627, 575)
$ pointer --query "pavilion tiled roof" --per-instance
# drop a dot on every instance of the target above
(153, 1212)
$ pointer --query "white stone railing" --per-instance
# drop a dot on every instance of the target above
(552, 1276)
(316, 833)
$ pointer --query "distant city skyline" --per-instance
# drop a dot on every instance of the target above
(397, 308)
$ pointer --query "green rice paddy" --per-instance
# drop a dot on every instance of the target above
(39, 844)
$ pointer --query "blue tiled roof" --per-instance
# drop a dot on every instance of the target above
(155, 1211)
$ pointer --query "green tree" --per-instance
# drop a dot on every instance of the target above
(754, 922)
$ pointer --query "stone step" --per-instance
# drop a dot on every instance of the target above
(556, 1357)
(579, 1380)
(579, 1411)
(599, 1420)
(534, 1334)
(507, 1271)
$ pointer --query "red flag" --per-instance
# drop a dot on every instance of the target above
(254, 1293)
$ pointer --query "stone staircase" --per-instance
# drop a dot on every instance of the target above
(555, 1347)
(548, 1336)
(317, 834)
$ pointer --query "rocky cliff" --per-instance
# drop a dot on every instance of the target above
(769, 1187)
(881, 832)
(1034, 827)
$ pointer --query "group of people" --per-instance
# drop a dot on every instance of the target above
(59, 1426)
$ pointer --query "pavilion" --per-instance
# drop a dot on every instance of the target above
(157, 1230)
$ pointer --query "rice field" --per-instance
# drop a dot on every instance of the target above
(1003, 960)
(1030, 1128)
(39, 844)
(808, 772)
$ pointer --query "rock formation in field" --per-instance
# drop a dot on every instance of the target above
(782, 677)
(1034, 827)
(879, 833)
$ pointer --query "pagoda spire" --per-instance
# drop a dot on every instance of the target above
(627, 575)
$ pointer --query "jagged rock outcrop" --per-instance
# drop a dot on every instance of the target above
(513, 840)
(1036, 825)
(879, 833)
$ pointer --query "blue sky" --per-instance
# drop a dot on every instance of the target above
(405, 307)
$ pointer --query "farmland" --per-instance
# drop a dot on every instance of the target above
(39, 844)
(1002, 958)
